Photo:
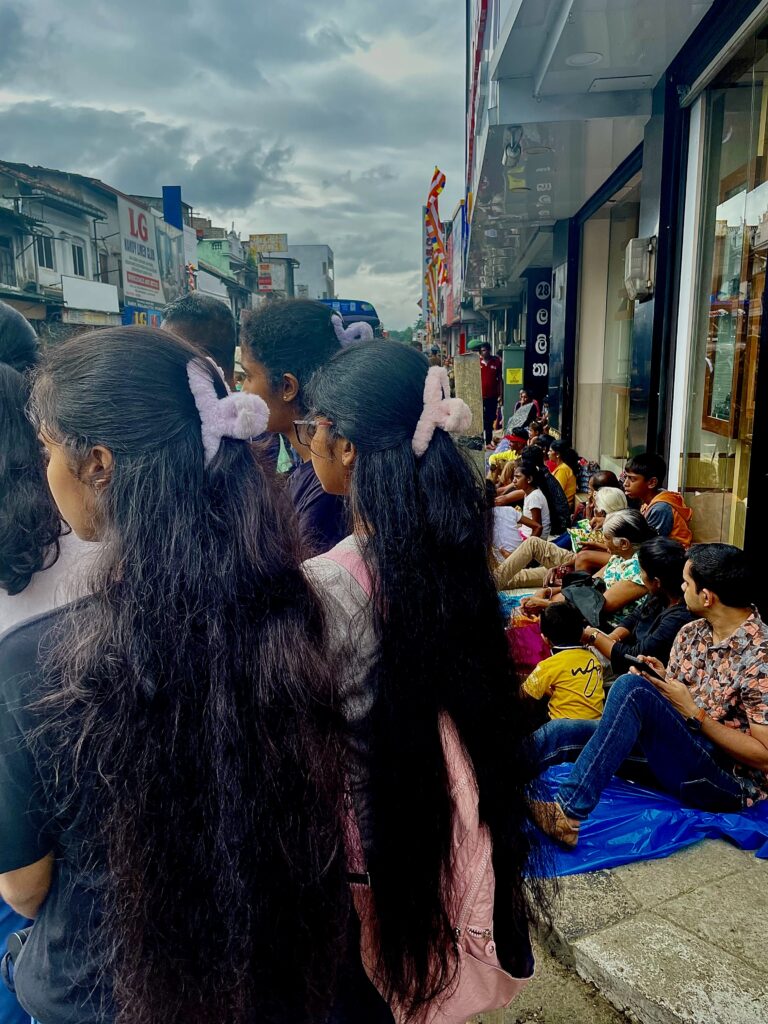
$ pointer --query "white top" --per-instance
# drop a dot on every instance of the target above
(506, 528)
(64, 581)
(537, 500)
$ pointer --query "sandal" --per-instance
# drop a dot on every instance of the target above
(554, 822)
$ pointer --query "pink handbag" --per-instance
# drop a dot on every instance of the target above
(527, 646)
(480, 983)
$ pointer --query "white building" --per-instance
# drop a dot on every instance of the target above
(314, 277)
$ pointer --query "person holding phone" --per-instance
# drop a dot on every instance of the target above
(699, 726)
(652, 627)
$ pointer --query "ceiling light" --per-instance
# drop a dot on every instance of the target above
(583, 60)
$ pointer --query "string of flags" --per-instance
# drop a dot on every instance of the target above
(436, 273)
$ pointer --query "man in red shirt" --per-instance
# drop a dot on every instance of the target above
(490, 382)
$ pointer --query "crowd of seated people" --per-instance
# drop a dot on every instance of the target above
(678, 628)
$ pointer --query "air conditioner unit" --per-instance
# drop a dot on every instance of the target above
(31, 286)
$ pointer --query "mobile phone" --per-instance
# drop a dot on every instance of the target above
(644, 667)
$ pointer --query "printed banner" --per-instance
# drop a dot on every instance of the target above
(152, 256)
(140, 270)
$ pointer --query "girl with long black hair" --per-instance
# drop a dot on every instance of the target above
(170, 787)
(42, 563)
(430, 641)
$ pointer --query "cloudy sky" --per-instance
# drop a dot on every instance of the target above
(324, 120)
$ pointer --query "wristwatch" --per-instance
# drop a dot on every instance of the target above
(696, 721)
(593, 636)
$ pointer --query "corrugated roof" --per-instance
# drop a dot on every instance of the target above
(26, 174)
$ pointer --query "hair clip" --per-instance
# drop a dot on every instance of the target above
(358, 331)
(237, 415)
(440, 410)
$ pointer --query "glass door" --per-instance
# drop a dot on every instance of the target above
(731, 281)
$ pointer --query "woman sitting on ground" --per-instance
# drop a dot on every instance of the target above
(529, 479)
(624, 532)
(603, 478)
(566, 469)
(513, 574)
(651, 628)
(559, 514)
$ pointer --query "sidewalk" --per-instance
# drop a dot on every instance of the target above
(682, 939)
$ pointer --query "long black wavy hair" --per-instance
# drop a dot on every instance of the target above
(441, 647)
(30, 526)
(188, 710)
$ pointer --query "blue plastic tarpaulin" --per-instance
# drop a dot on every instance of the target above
(634, 823)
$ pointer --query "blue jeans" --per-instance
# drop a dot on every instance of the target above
(638, 727)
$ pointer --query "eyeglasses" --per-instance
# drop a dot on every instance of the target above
(306, 430)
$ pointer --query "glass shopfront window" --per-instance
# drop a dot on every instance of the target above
(606, 317)
(729, 303)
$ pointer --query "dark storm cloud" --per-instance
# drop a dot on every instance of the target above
(324, 120)
(13, 49)
(138, 155)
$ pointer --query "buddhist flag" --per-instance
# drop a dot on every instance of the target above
(436, 186)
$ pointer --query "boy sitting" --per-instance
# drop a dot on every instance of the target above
(665, 511)
(572, 677)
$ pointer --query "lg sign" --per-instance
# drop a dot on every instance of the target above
(138, 225)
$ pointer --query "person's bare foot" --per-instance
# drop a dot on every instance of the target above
(554, 822)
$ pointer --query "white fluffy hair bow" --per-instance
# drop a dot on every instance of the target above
(440, 410)
(237, 415)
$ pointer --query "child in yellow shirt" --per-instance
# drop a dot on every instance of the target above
(572, 677)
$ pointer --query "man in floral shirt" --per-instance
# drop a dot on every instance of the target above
(700, 726)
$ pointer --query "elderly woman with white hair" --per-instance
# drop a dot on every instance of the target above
(511, 574)
(624, 532)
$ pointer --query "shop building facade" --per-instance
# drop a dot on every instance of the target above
(598, 128)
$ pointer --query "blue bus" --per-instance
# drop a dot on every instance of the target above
(354, 311)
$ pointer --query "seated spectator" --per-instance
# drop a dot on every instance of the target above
(652, 627)
(507, 524)
(528, 479)
(514, 574)
(544, 441)
(537, 434)
(572, 678)
(624, 532)
(666, 511)
(508, 449)
(527, 399)
(604, 478)
(605, 502)
(566, 463)
(559, 511)
(700, 728)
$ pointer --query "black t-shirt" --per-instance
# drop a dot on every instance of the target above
(56, 975)
(323, 519)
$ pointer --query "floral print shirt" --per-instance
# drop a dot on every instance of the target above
(616, 570)
(729, 681)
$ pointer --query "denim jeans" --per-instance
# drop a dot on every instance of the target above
(640, 726)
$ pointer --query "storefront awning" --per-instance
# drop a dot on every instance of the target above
(569, 86)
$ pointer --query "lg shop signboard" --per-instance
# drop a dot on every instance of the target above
(141, 273)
